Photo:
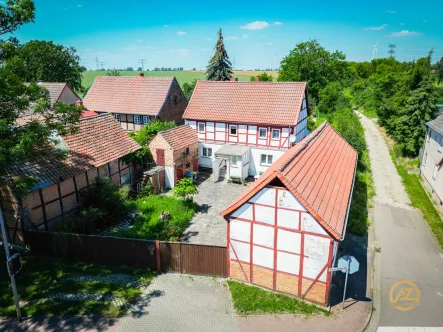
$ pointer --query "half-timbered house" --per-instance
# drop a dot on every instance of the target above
(135, 101)
(285, 228)
(244, 127)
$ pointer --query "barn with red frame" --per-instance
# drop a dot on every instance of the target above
(284, 230)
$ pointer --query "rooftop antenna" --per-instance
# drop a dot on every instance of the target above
(142, 61)
(391, 50)
(374, 51)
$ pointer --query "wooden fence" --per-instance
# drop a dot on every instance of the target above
(177, 257)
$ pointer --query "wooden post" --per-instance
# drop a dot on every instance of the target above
(157, 254)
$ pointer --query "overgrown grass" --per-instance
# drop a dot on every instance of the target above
(254, 300)
(370, 113)
(148, 226)
(418, 195)
(41, 277)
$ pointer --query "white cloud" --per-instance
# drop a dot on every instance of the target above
(180, 51)
(181, 33)
(166, 26)
(139, 41)
(425, 21)
(391, 11)
(402, 24)
(79, 6)
(269, 43)
(205, 49)
(278, 23)
(404, 33)
(381, 27)
(231, 38)
(245, 36)
(256, 25)
(209, 39)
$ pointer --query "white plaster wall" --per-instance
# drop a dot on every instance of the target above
(256, 168)
(243, 251)
(169, 178)
(265, 196)
(288, 263)
(317, 251)
(288, 219)
(262, 256)
(265, 214)
(240, 230)
(287, 200)
(309, 224)
(288, 241)
(206, 161)
(263, 235)
(244, 211)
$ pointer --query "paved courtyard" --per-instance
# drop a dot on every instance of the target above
(207, 226)
(174, 302)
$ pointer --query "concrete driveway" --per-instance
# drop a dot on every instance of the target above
(207, 226)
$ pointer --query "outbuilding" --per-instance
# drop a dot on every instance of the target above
(177, 150)
(285, 228)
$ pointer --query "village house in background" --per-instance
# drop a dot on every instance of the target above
(284, 229)
(177, 151)
(135, 101)
(244, 127)
(432, 161)
(58, 92)
(95, 150)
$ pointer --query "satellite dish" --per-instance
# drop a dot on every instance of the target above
(292, 138)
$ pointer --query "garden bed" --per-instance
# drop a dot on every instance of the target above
(48, 286)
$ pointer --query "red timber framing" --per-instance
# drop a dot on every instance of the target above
(246, 135)
(310, 288)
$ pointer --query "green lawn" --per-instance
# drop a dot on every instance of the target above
(254, 300)
(148, 226)
(41, 277)
(182, 76)
(418, 196)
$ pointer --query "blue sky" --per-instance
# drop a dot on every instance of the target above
(257, 33)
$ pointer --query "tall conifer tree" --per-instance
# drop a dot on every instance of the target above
(219, 67)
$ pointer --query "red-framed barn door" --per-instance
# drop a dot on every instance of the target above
(195, 165)
(179, 173)
(160, 157)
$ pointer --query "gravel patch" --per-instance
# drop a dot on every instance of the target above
(389, 188)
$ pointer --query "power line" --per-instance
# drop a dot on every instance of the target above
(97, 63)
(102, 63)
(142, 61)
(391, 50)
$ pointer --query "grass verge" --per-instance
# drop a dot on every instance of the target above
(41, 277)
(148, 226)
(418, 196)
(253, 300)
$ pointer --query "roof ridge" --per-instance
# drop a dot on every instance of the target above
(95, 116)
(254, 82)
(171, 129)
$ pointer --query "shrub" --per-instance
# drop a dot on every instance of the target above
(185, 188)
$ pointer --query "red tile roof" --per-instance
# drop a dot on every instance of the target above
(99, 140)
(180, 137)
(128, 94)
(270, 103)
(88, 113)
(319, 171)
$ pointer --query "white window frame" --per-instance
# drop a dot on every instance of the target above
(208, 153)
(267, 157)
(266, 132)
(137, 119)
(230, 130)
(146, 119)
(117, 117)
(272, 134)
(198, 127)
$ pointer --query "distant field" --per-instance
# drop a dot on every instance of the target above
(182, 76)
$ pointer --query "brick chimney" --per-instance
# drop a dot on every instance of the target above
(233, 79)
(141, 74)
(257, 79)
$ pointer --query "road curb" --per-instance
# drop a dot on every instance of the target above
(374, 316)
